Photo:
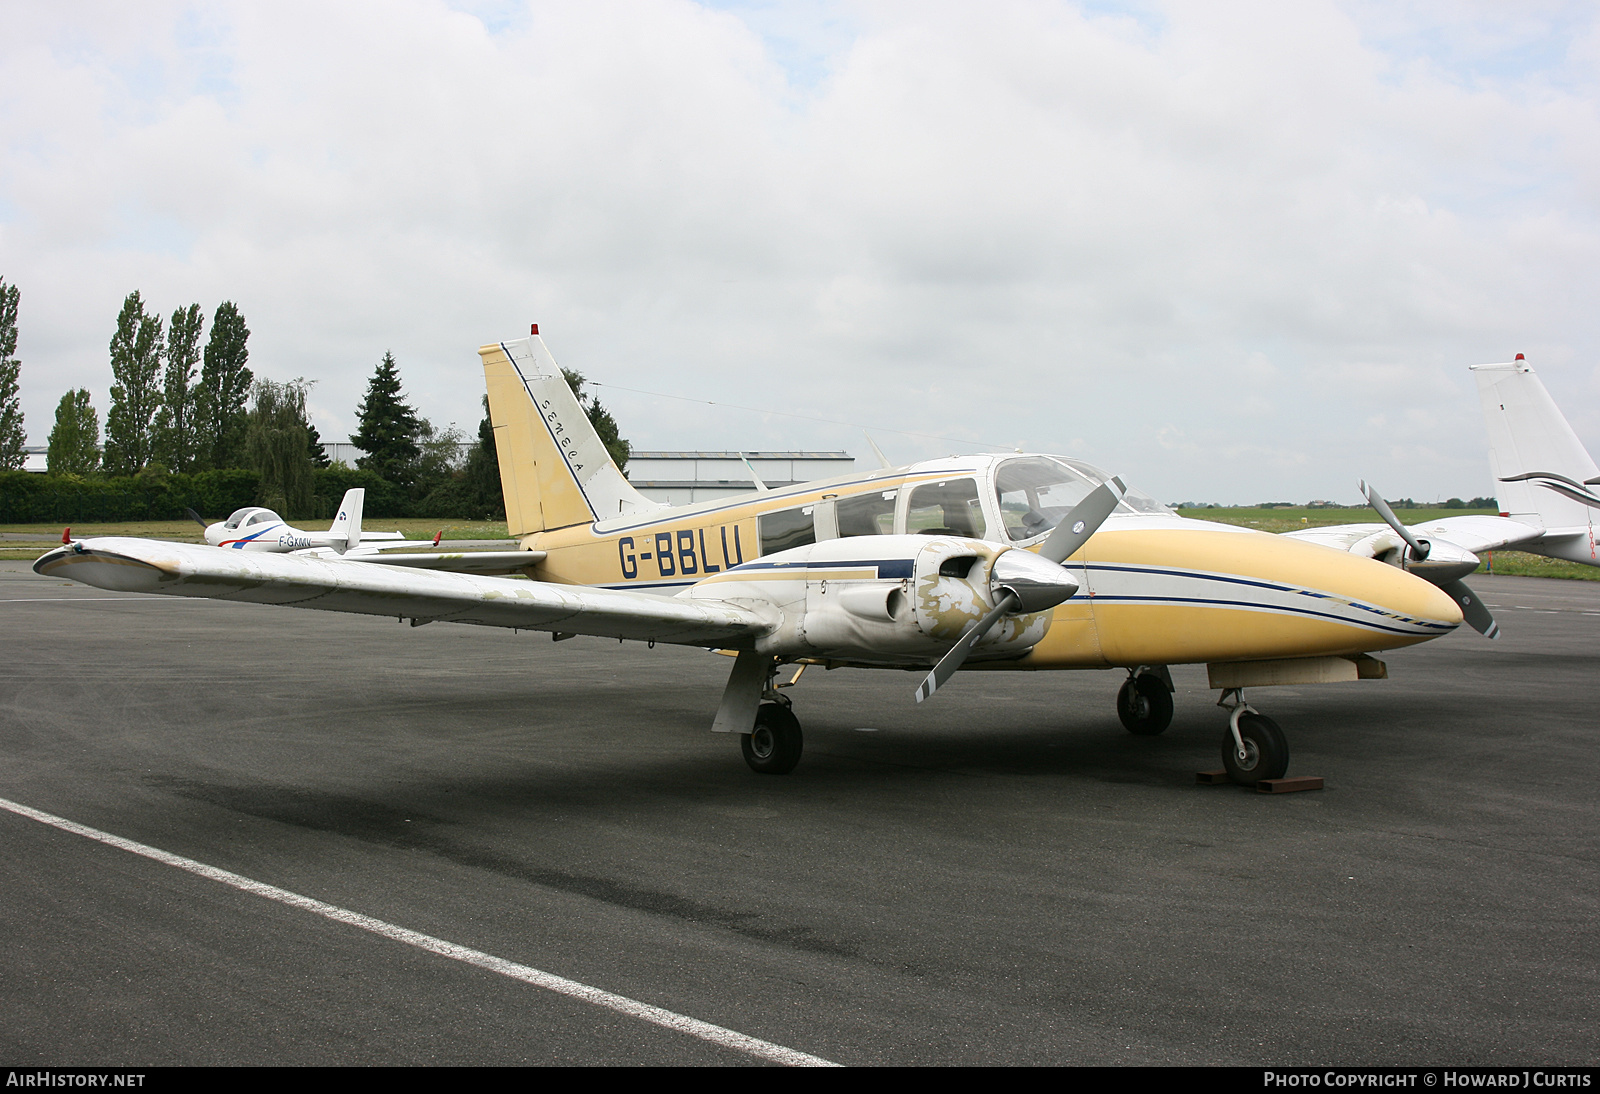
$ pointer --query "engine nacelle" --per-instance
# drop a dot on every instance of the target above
(887, 600)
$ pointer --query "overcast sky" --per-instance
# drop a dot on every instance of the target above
(1233, 251)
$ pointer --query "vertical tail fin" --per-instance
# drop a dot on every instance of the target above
(1543, 474)
(554, 469)
(347, 524)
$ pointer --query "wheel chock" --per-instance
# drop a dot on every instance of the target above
(1289, 786)
(1265, 786)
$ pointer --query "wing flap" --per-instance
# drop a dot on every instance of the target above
(423, 596)
(459, 562)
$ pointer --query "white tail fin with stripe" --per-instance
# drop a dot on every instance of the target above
(1543, 474)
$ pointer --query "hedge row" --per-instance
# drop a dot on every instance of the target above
(28, 498)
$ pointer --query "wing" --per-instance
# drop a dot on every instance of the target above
(422, 596)
(1473, 533)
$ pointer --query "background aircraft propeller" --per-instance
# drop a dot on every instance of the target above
(192, 515)
(1072, 533)
(1478, 616)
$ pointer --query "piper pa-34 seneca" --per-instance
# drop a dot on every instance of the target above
(1017, 562)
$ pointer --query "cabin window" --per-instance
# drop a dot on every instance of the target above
(1035, 493)
(785, 529)
(261, 516)
(949, 508)
(866, 514)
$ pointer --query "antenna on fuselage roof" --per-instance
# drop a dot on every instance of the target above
(761, 487)
(883, 461)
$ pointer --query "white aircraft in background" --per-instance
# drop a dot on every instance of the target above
(256, 529)
(972, 562)
(1547, 501)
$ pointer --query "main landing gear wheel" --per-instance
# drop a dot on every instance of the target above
(773, 746)
(1145, 705)
(1266, 751)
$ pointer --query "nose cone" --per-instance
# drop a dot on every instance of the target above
(1177, 595)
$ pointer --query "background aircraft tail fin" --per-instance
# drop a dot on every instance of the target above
(1543, 474)
(348, 523)
(554, 469)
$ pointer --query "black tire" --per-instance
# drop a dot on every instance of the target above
(1267, 751)
(773, 746)
(1145, 705)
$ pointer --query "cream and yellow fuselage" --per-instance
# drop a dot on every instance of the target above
(1156, 589)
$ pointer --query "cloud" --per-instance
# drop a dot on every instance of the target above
(1278, 232)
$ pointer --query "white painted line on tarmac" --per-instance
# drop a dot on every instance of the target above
(726, 1038)
(84, 599)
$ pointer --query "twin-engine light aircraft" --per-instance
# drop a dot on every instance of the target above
(1018, 562)
(1547, 482)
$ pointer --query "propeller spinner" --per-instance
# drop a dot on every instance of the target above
(1473, 610)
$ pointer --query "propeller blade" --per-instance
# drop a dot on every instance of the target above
(192, 515)
(1419, 550)
(958, 653)
(1072, 533)
(1084, 520)
(1473, 609)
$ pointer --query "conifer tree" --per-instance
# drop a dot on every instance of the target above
(136, 394)
(599, 417)
(75, 440)
(223, 390)
(175, 424)
(483, 471)
(13, 438)
(390, 428)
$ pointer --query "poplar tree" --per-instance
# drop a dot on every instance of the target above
(223, 390)
(390, 428)
(175, 425)
(75, 440)
(13, 438)
(136, 395)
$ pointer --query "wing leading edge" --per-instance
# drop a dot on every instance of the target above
(422, 596)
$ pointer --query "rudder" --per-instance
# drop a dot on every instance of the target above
(554, 469)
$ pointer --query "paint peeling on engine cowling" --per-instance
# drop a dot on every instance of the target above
(946, 606)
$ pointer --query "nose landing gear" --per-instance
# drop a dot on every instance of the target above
(1253, 747)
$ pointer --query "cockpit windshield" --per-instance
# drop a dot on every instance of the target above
(1035, 492)
(246, 517)
(1134, 501)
